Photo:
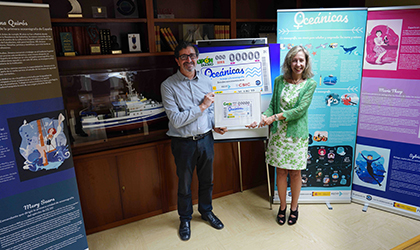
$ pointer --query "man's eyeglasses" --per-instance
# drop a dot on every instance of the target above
(185, 57)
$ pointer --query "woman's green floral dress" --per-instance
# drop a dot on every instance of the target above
(287, 152)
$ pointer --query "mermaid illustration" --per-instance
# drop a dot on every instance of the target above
(378, 49)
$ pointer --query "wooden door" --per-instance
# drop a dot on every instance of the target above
(97, 180)
(140, 183)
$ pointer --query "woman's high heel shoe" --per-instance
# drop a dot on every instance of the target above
(281, 220)
(293, 220)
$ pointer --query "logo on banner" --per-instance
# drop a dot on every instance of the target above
(209, 72)
(206, 62)
(301, 20)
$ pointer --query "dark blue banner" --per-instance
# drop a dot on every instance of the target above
(39, 200)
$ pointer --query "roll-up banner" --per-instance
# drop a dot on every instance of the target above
(335, 41)
(39, 200)
(387, 157)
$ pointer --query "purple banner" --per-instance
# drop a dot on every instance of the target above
(390, 110)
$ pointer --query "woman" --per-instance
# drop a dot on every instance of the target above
(378, 49)
(288, 114)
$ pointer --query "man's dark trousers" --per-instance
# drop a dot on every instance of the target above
(188, 154)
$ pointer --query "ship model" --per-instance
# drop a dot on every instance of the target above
(130, 112)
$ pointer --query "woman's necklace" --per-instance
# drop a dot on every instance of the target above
(296, 81)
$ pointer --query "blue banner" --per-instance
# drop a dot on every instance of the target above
(39, 200)
(335, 41)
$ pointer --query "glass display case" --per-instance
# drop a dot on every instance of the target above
(114, 105)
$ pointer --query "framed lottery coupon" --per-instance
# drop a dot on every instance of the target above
(237, 71)
(237, 109)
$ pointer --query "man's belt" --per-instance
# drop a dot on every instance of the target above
(195, 137)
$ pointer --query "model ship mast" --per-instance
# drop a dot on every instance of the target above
(132, 93)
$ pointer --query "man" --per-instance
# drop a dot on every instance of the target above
(187, 98)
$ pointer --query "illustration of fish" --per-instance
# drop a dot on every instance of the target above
(333, 45)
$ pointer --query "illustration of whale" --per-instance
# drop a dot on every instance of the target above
(348, 50)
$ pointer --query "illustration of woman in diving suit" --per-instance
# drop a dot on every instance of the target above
(369, 161)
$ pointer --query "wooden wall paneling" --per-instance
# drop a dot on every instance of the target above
(121, 141)
(170, 177)
(150, 25)
(162, 171)
(140, 185)
(97, 180)
(253, 164)
(233, 18)
(224, 169)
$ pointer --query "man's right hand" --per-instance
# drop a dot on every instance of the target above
(207, 101)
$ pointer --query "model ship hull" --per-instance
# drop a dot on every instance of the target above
(125, 122)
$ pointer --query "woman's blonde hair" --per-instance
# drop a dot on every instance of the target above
(287, 64)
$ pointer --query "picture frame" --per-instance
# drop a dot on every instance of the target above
(134, 42)
(236, 110)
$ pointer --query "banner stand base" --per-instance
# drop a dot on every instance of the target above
(329, 205)
(365, 208)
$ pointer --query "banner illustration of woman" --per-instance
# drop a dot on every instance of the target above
(369, 167)
(44, 145)
(381, 45)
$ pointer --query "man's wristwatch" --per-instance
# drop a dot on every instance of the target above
(276, 118)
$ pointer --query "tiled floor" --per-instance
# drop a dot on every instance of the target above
(250, 224)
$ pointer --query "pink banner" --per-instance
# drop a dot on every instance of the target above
(393, 44)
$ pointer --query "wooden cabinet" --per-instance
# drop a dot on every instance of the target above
(116, 186)
(139, 179)
(99, 189)
(124, 185)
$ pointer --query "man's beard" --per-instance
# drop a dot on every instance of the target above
(189, 67)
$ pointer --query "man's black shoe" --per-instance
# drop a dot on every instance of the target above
(184, 230)
(214, 221)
